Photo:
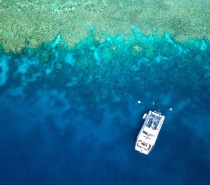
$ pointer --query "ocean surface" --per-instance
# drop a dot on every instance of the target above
(70, 115)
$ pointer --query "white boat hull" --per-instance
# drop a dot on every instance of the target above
(149, 132)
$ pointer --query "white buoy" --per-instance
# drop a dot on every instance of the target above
(139, 101)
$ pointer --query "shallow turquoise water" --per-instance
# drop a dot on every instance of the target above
(70, 115)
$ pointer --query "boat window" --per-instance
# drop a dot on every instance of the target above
(145, 132)
(145, 145)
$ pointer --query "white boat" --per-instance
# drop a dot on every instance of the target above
(149, 132)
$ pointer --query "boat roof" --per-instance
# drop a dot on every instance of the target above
(151, 127)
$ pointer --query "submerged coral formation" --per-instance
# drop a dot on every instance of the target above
(113, 70)
(28, 23)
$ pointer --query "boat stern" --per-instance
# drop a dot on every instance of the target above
(143, 147)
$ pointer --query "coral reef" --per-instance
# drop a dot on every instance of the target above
(28, 23)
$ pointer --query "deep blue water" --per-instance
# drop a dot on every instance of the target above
(70, 116)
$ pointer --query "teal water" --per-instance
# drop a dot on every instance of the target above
(71, 115)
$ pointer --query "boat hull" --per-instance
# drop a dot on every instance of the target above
(149, 132)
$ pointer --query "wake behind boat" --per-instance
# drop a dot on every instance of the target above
(149, 132)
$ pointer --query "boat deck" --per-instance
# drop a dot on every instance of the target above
(152, 121)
